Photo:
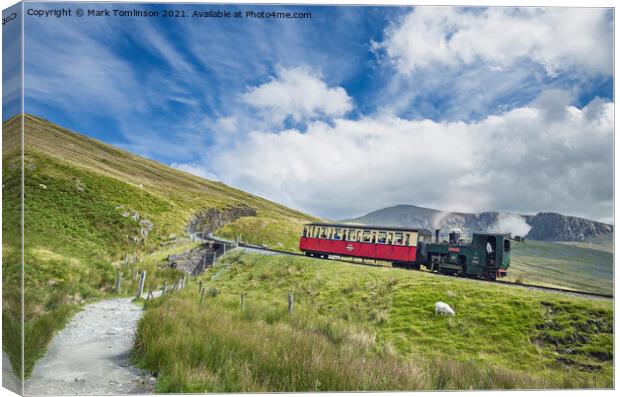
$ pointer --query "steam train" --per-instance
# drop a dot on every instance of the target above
(486, 256)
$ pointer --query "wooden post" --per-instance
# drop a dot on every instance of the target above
(118, 283)
(202, 295)
(141, 284)
(204, 260)
(150, 294)
(243, 302)
(224, 248)
(290, 303)
(200, 286)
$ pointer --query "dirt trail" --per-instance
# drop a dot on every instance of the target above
(91, 355)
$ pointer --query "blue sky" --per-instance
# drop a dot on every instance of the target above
(432, 100)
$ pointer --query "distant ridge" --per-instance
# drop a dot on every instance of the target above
(545, 226)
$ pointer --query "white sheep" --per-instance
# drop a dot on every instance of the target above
(443, 308)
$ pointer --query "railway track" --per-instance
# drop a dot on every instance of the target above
(517, 285)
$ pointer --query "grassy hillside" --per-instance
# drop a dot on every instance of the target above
(88, 205)
(565, 265)
(364, 328)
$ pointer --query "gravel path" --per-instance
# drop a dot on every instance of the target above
(91, 355)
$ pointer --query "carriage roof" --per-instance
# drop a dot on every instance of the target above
(372, 227)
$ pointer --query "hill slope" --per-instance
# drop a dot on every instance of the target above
(88, 205)
(544, 226)
(357, 328)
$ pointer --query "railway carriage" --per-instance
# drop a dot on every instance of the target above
(396, 245)
(487, 255)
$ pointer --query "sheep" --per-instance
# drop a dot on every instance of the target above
(443, 308)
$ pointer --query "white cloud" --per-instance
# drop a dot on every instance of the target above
(520, 160)
(300, 94)
(556, 38)
(194, 169)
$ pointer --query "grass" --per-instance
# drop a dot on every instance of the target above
(360, 328)
(88, 205)
(572, 266)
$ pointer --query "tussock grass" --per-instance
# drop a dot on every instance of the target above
(217, 348)
(360, 328)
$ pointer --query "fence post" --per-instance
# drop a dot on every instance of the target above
(290, 303)
(224, 248)
(243, 302)
(200, 286)
(118, 282)
(141, 284)
(204, 260)
(202, 295)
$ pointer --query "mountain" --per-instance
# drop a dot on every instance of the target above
(545, 226)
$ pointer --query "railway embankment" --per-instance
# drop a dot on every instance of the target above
(244, 335)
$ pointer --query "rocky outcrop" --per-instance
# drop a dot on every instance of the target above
(195, 260)
(557, 227)
(208, 220)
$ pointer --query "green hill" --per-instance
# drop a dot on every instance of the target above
(88, 205)
(579, 266)
(356, 328)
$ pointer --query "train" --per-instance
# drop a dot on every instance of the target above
(486, 255)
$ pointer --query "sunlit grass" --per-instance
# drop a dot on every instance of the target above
(381, 319)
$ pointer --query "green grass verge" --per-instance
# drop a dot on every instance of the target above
(362, 328)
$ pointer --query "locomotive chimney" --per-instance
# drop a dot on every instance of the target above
(437, 235)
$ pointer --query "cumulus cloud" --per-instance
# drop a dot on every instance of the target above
(299, 94)
(194, 169)
(556, 38)
(520, 160)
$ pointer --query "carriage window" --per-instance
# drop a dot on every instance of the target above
(382, 238)
(374, 237)
(398, 238)
(407, 239)
(337, 234)
(323, 233)
(352, 235)
(317, 232)
(507, 245)
(305, 234)
(366, 236)
(390, 238)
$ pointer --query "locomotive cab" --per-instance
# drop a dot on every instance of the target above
(493, 252)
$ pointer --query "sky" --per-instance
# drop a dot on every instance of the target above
(351, 110)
